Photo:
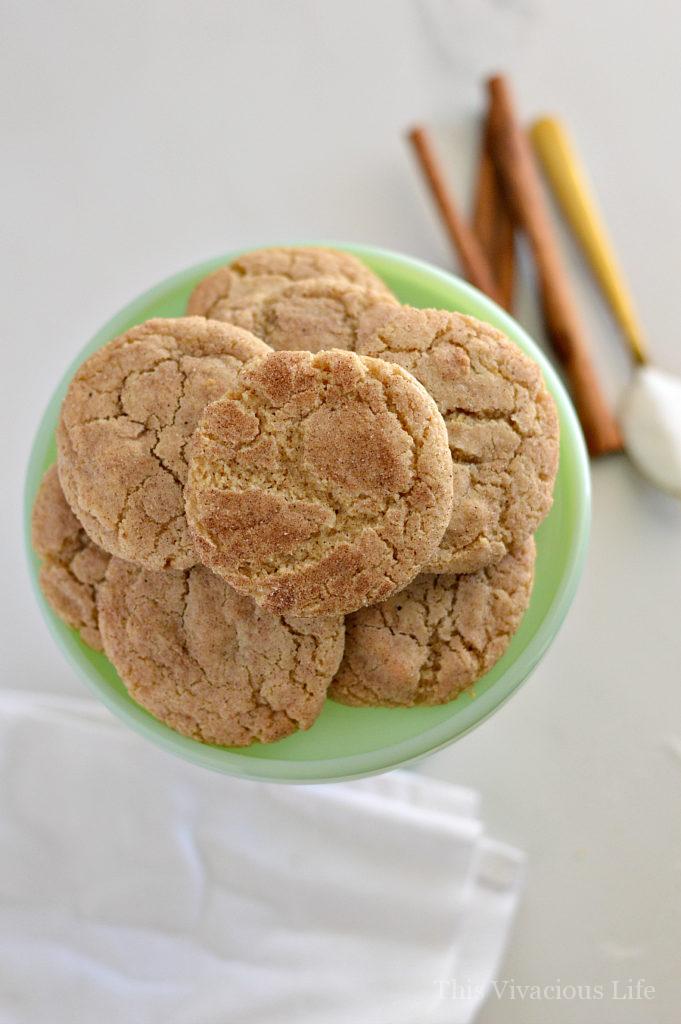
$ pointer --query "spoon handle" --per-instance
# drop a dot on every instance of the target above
(575, 195)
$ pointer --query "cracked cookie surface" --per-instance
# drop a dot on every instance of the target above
(208, 662)
(437, 637)
(127, 418)
(321, 483)
(322, 313)
(73, 567)
(501, 422)
(230, 291)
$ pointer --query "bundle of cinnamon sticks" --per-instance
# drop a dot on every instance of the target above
(509, 197)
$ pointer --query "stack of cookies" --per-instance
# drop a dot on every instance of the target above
(301, 489)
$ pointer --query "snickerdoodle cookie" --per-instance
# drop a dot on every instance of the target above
(437, 637)
(127, 417)
(230, 290)
(322, 313)
(320, 483)
(72, 566)
(501, 421)
(208, 662)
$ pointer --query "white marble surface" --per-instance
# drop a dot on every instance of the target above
(140, 137)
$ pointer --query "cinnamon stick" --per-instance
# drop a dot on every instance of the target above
(492, 223)
(514, 161)
(473, 260)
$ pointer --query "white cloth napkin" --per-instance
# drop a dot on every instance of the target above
(138, 889)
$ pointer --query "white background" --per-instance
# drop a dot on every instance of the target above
(141, 137)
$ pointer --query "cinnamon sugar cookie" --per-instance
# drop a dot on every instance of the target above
(320, 483)
(73, 567)
(231, 290)
(436, 638)
(501, 421)
(322, 313)
(127, 417)
(208, 662)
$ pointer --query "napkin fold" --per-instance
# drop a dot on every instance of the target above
(140, 889)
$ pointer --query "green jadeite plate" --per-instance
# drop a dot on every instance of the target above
(350, 742)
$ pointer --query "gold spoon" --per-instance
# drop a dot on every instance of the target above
(650, 410)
